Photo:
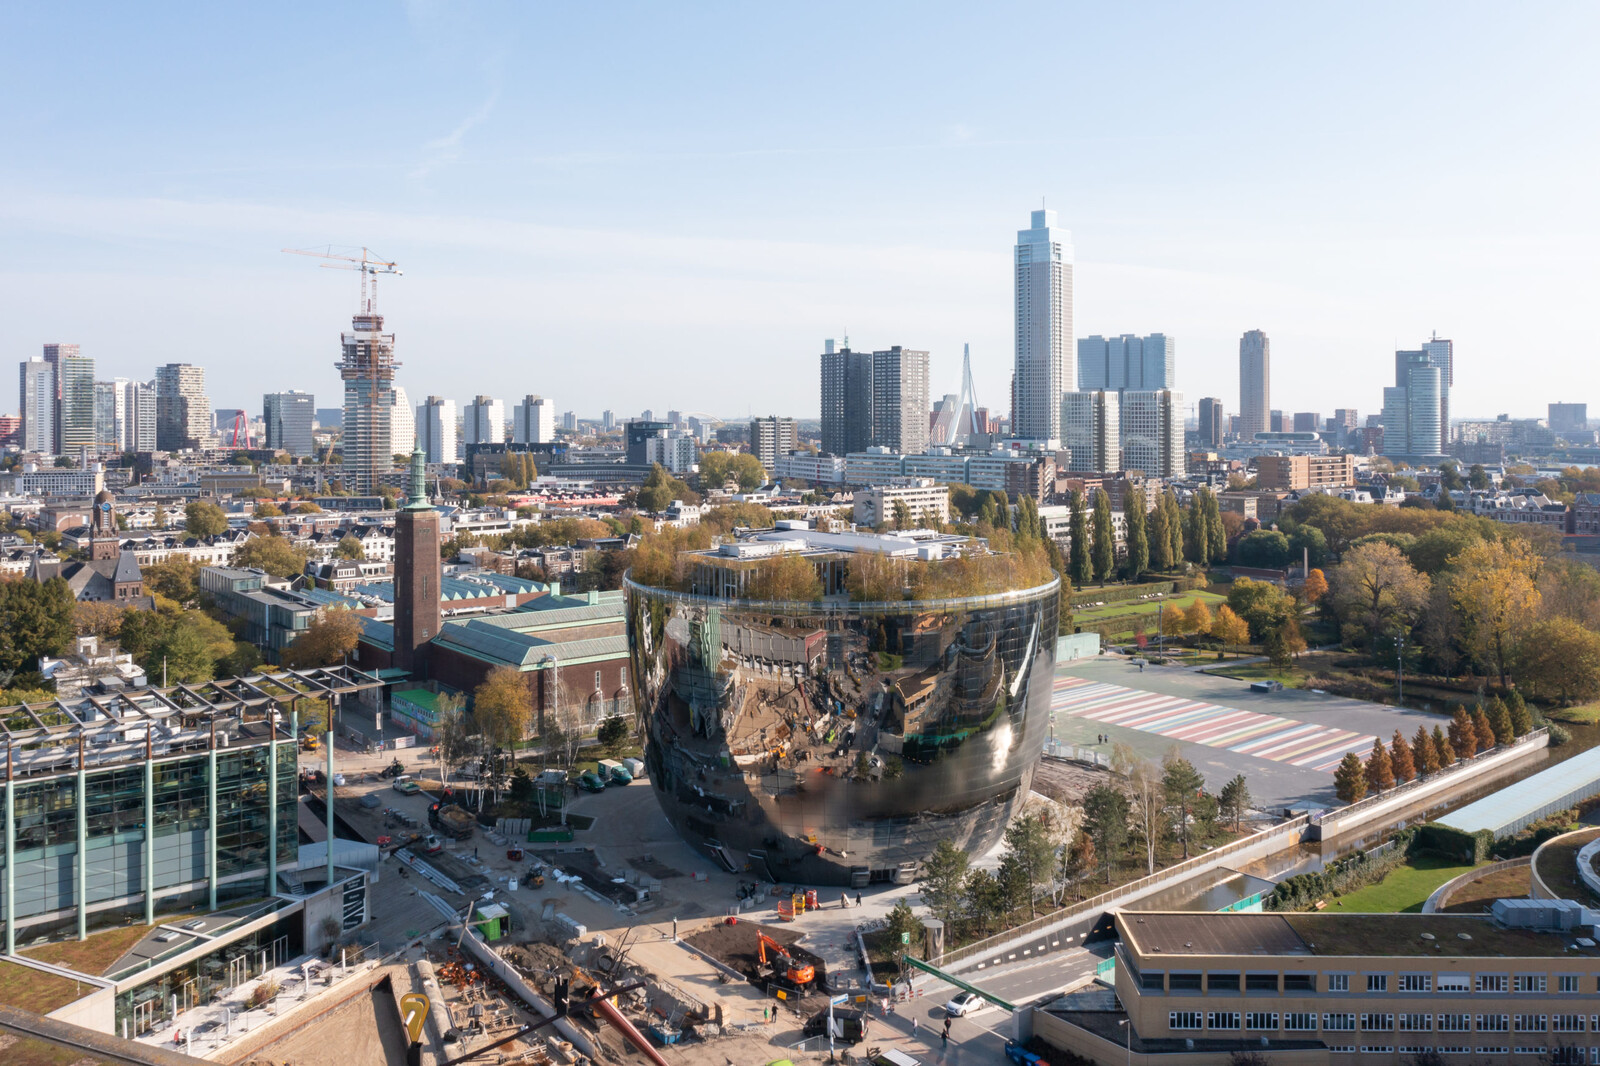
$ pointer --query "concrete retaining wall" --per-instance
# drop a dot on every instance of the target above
(1377, 808)
(1441, 895)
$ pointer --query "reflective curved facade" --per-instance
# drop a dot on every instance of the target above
(838, 743)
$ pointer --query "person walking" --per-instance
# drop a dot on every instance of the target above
(916, 1024)
(945, 1035)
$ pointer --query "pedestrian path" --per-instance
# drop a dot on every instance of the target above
(1264, 736)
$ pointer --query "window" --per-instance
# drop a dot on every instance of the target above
(1455, 1023)
(1341, 1049)
(1377, 1023)
(1373, 1049)
(1184, 982)
(1416, 1023)
(1494, 1023)
(1492, 982)
(1260, 982)
(1338, 982)
(1528, 982)
(1151, 980)
(1567, 982)
(1416, 982)
(1222, 1019)
(597, 681)
(1413, 1050)
(1300, 1023)
(1339, 1023)
(1528, 1023)
(1222, 982)
(1183, 1019)
(1265, 1020)
(1300, 982)
(1377, 982)
(1566, 1023)
(1453, 982)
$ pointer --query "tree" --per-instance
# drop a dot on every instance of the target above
(307, 507)
(450, 728)
(332, 634)
(1228, 628)
(1264, 606)
(1424, 753)
(1559, 660)
(1316, 586)
(1138, 543)
(1104, 547)
(1500, 721)
(1148, 807)
(944, 875)
(1082, 567)
(97, 618)
(1441, 744)
(502, 707)
(716, 467)
(242, 661)
(1521, 720)
(903, 927)
(1181, 784)
(1404, 766)
(1375, 592)
(1482, 728)
(1235, 800)
(786, 578)
(204, 519)
(1169, 500)
(1278, 648)
(273, 554)
(349, 548)
(1171, 622)
(1266, 549)
(612, 732)
(1105, 819)
(983, 899)
(1379, 770)
(902, 515)
(1031, 847)
(1197, 617)
(1159, 537)
(661, 488)
(269, 510)
(36, 619)
(1494, 586)
(1216, 529)
(1463, 734)
(1078, 857)
(176, 577)
(1196, 533)
(1350, 779)
(1308, 542)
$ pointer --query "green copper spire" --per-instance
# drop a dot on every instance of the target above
(419, 483)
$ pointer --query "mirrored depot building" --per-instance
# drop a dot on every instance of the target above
(837, 740)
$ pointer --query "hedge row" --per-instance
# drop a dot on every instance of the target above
(1117, 593)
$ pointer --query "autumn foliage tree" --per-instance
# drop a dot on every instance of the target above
(502, 707)
(1442, 745)
(1494, 588)
(1316, 586)
(1425, 756)
(1400, 759)
(1229, 628)
(786, 578)
(1463, 734)
(1379, 770)
(1484, 731)
(1197, 617)
(332, 634)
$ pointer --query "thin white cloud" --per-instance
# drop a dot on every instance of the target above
(445, 150)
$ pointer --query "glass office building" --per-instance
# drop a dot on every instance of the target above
(837, 742)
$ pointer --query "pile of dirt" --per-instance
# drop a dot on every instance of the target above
(735, 946)
(537, 959)
(1069, 782)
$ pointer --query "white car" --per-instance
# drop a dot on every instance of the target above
(963, 1003)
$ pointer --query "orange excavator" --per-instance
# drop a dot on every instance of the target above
(786, 972)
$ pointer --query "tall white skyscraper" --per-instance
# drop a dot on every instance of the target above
(402, 424)
(534, 421)
(139, 405)
(1044, 329)
(37, 394)
(484, 422)
(900, 400)
(1152, 432)
(436, 429)
(1091, 431)
(1414, 411)
(1255, 384)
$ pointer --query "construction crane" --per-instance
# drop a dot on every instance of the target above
(369, 265)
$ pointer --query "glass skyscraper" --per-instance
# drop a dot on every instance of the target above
(1042, 372)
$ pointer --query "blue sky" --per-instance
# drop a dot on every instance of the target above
(673, 205)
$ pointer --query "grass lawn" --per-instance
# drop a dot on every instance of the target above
(1403, 891)
(1588, 714)
(1291, 678)
(92, 956)
(35, 990)
(29, 1051)
(1558, 867)
(1123, 608)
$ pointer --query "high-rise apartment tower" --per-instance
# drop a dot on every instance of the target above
(1255, 384)
(1042, 371)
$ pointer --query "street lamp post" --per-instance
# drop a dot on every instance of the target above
(1128, 1024)
(1399, 669)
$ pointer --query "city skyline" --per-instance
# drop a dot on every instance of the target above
(727, 250)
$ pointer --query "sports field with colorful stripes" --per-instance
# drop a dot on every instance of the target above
(1314, 747)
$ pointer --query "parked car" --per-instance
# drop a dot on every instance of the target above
(406, 786)
(963, 1003)
(1266, 686)
(592, 782)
